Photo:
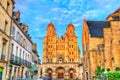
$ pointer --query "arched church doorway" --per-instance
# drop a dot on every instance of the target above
(60, 72)
(71, 73)
(49, 72)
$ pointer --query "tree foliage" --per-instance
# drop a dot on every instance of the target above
(100, 74)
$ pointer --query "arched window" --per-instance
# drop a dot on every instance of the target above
(60, 59)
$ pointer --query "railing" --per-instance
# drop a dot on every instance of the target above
(19, 60)
(34, 60)
(12, 57)
(3, 57)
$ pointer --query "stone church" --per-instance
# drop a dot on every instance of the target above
(101, 44)
(61, 54)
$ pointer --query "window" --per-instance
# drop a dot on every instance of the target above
(20, 53)
(12, 48)
(101, 47)
(17, 36)
(72, 53)
(24, 43)
(3, 48)
(13, 30)
(72, 46)
(16, 51)
(116, 18)
(3, 51)
(23, 54)
(21, 40)
(26, 56)
(72, 59)
(60, 60)
(8, 6)
(6, 23)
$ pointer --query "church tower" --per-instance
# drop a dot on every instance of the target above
(50, 44)
(61, 54)
(71, 44)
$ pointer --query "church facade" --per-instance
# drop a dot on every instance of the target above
(61, 55)
(101, 44)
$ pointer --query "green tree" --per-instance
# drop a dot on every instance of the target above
(99, 72)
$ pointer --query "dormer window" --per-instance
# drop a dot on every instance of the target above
(101, 47)
(116, 17)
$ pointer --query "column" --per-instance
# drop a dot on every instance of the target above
(16, 72)
(8, 72)
(20, 72)
(54, 74)
(24, 73)
(66, 74)
(4, 73)
(12, 73)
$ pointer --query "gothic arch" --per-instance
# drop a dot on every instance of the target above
(49, 72)
(71, 72)
(60, 72)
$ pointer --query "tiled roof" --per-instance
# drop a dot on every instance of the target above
(96, 27)
(117, 10)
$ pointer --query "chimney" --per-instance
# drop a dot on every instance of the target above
(26, 28)
(34, 45)
(17, 15)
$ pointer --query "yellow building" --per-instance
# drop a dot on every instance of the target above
(101, 44)
(61, 55)
(6, 9)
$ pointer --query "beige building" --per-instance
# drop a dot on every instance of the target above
(6, 9)
(101, 44)
(35, 61)
(61, 54)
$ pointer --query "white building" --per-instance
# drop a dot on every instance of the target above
(21, 49)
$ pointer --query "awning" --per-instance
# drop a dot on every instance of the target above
(32, 69)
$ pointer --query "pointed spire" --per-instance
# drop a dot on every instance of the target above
(70, 22)
(50, 21)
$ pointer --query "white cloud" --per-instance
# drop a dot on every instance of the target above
(78, 24)
(38, 19)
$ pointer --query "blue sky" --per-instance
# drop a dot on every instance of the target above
(38, 14)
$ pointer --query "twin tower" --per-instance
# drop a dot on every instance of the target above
(63, 49)
(61, 56)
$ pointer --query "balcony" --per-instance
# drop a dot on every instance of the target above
(15, 60)
(2, 58)
(19, 61)
(34, 60)
(29, 64)
(12, 57)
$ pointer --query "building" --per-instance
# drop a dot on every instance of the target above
(20, 48)
(35, 61)
(39, 70)
(61, 54)
(80, 71)
(16, 46)
(6, 9)
(101, 44)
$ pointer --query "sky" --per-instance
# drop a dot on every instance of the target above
(37, 14)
